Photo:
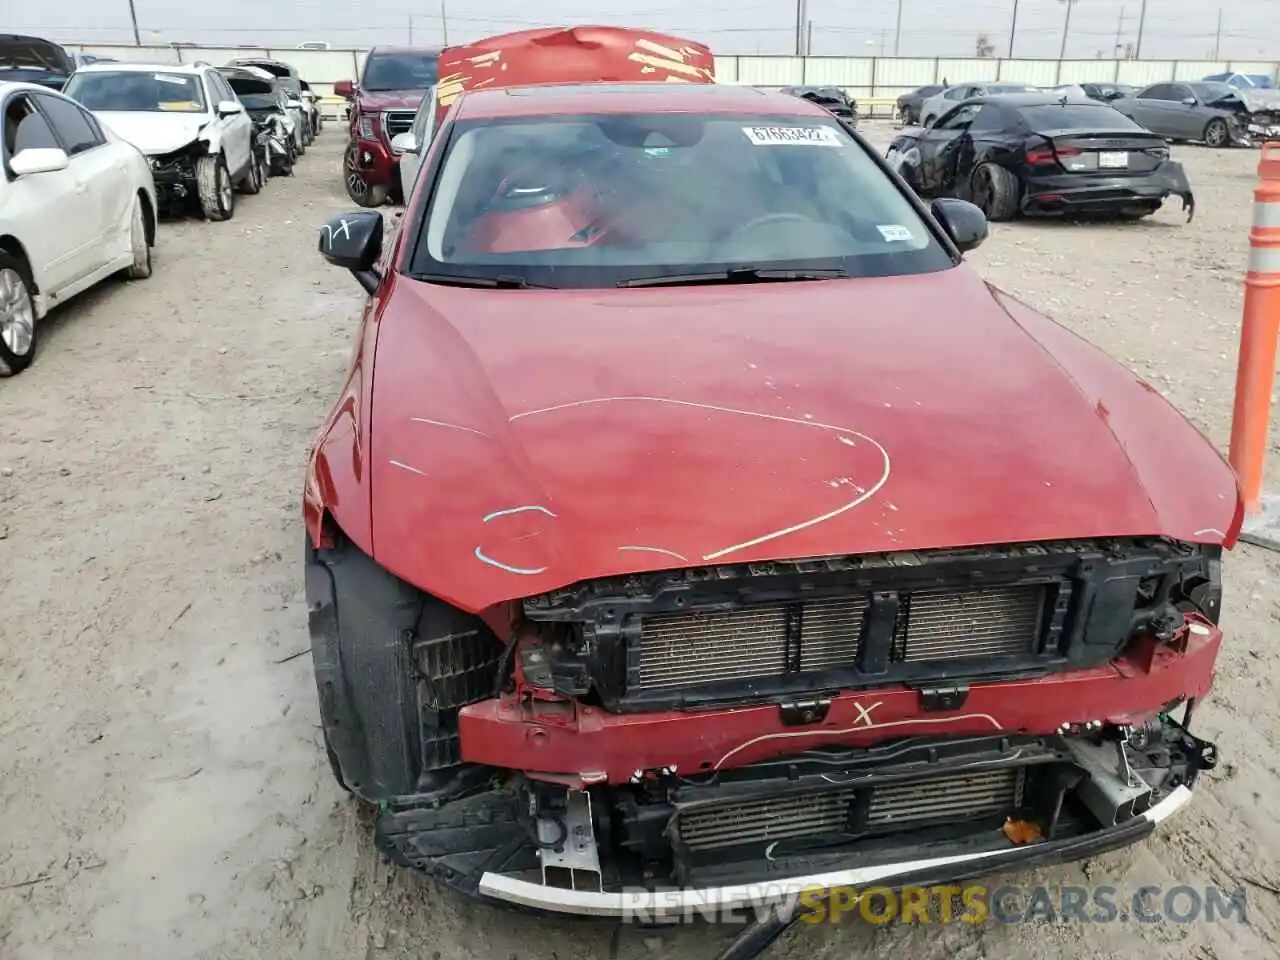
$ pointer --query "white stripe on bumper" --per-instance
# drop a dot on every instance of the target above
(525, 893)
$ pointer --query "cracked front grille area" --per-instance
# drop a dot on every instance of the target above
(812, 636)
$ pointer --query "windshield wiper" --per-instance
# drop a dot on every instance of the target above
(734, 275)
(504, 282)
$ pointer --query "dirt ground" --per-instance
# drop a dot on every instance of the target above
(163, 792)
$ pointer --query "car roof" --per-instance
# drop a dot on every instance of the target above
(1033, 100)
(657, 97)
(399, 49)
(192, 68)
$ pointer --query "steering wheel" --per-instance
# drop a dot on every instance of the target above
(766, 220)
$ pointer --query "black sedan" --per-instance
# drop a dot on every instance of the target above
(910, 102)
(832, 99)
(1036, 154)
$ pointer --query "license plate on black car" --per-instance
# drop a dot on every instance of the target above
(1112, 160)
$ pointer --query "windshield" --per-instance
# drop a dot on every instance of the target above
(592, 201)
(399, 71)
(1011, 88)
(136, 91)
(1208, 92)
(48, 78)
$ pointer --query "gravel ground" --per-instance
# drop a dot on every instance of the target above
(163, 792)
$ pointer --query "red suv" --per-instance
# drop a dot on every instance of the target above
(384, 103)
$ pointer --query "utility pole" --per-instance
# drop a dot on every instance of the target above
(1013, 28)
(444, 25)
(133, 17)
(800, 21)
(883, 36)
(1115, 51)
(1217, 39)
(808, 40)
(897, 30)
(1142, 22)
(1066, 27)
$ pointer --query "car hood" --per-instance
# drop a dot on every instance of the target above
(1255, 101)
(33, 52)
(154, 133)
(376, 100)
(525, 440)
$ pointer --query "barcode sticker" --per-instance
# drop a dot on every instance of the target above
(809, 136)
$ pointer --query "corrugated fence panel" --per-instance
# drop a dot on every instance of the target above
(839, 71)
(1088, 71)
(961, 71)
(1197, 69)
(727, 69)
(1139, 73)
(769, 71)
(1040, 73)
(132, 54)
(896, 76)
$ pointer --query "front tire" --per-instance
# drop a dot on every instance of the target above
(996, 191)
(18, 327)
(256, 177)
(213, 182)
(908, 118)
(1216, 134)
(358, 188)
(140, 269)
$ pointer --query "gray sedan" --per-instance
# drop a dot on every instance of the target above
(956, 93)
(1188, 111)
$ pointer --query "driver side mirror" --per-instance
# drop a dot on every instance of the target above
(353, 241)
(404, 143)
(35, 160)
(964, 222)
(344, 88)
(1189, 101)
(228, 108)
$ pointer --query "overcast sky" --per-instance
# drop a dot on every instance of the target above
(1174, 28)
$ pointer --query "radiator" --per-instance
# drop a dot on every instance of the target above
(892, 807)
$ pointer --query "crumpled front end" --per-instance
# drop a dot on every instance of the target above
(646, 745)
(174, 173)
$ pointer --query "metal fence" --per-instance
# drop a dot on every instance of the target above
(865, 78)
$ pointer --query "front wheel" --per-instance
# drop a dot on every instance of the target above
(1216, 133)
(140, 269)
(908, 118)
(17, 316)
(213, 182)
(996, 191)
(359, 189)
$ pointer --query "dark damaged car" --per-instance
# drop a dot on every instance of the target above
(665, 551)
(1215, 113)
(834, 100)
(1041, 154)
(34, 60)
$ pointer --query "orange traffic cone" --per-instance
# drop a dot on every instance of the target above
(1256, 372)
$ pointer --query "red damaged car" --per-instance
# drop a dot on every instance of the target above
(695, 526)
(383, 104)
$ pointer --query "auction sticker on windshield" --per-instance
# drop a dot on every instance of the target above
(813, 136)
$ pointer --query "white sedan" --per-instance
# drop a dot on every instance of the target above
(77, 204)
